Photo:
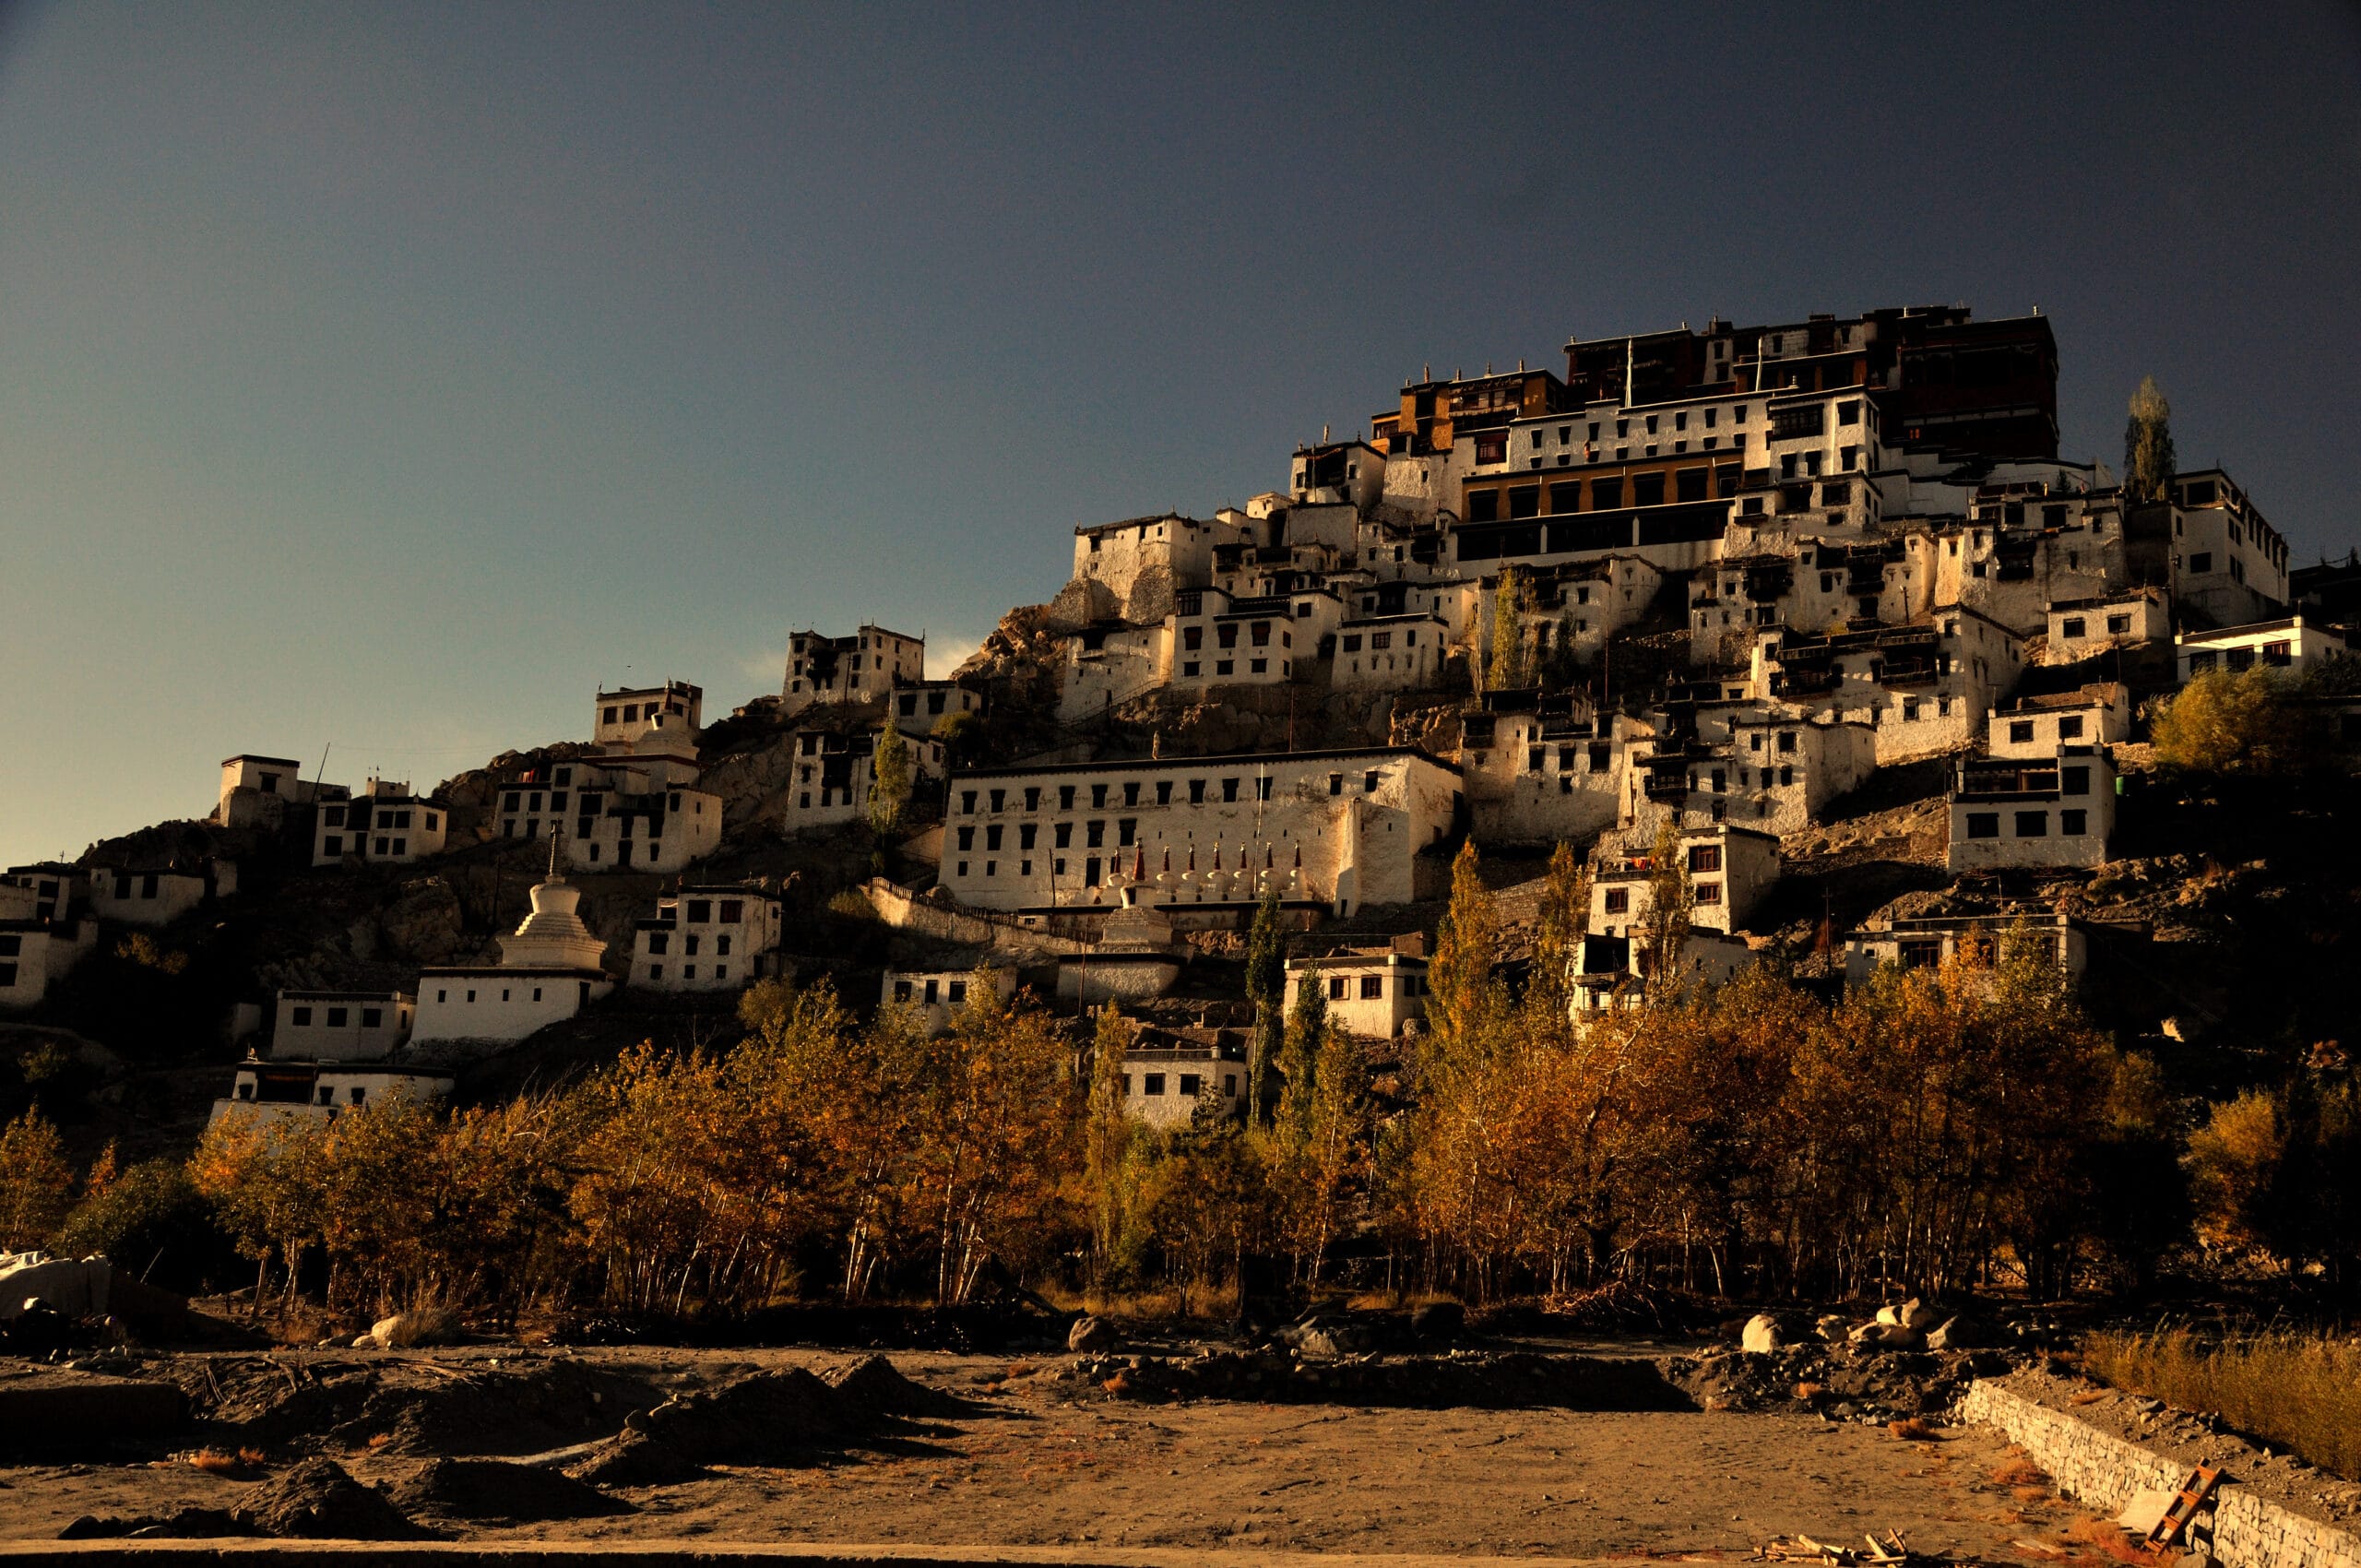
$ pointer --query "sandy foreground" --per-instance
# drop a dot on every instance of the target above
(1035, 1462)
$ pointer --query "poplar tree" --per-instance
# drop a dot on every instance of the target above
(889, 780)
(1507, 668)
(1266, 979)
(2148, 458)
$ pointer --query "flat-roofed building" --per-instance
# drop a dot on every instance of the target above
(2291, 646)
(341, 1025)
(385, 823)
(2024, 812)
(621, 717)
(866, 667)
(2034, 728)
(1373, 993)
(718, 936)
(1334, 830)
(939, 996)
(1170, 1073)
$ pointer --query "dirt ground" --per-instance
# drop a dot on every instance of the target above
(1034, 1460)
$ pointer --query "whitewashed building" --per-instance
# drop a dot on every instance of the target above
(262, 1092)
(620, 717)
(1169, 1074)
(341, 1025)
(1925, 942)
(863, 668)
(2009, 812)
(53, 889)
(257, 791)
(2291, 646)
(1726, 871)
(714, 937)
(385, 823)
(2229, 563)
(938, 995)
(1370, 993)
(1200, 835)
(36, 952)
(2034, 728)
(550, 968)
(2084, 628)
(635, 808)
(836, 772)
(158, 894)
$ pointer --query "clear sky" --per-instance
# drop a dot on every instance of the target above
(382, 378)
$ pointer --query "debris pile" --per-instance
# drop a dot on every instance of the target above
(1489, 1380)
(493, 1491)
(316, 1499)
(783, 1417)
(1844, 1379)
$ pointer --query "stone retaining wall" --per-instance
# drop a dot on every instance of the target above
(2104, 1472)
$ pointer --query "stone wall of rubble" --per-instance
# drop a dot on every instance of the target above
(2105, 1472)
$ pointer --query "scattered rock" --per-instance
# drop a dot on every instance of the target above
(1761, 1334)
(1954, 1333)
(767, 1418)
(1091, 1335)
(421, 1325)
(871, 1387)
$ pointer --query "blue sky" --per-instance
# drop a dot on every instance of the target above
(380, 378)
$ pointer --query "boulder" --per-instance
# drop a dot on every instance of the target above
(1090, 1334)
(1917, 1314)
(1762, 1334)
(420, 1326)
(1831, 1326)
(1954, 1333)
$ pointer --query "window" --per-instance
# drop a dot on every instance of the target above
(1369, 782)
(1230, 788)
(1606, 495)
(1849, 411)
(2072, 627)
(2020, 731)
(2070, 728)
(1191, 1085)
(2279, 654)
(1335, 783)
(2197, 664)
(2073, 823)
(2074, 780)
(1151, 1083)
(1984, 824)
(1483, 505)
(301, 1017)
(2201, 562)
(1335, 987)
(1647, 490)
(2117, 625)
(2032, 824)
(1690, 483)
(1619, 900)
(1704, 856)
(1709, 893)
(1065, 797)
(372, 1018)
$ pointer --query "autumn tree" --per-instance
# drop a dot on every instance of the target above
(265, 1176)
(2148, 457)
(36, 1185)
(1505, 671)
(1563, 919)
(2246, 723)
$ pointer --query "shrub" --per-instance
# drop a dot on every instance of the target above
(2300, 1391)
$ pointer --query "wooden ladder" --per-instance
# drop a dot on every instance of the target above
(2195, 1493)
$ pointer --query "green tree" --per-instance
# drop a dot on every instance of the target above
(889, 787)
(2148, 459)
(1306, 1035)
(1266, 979)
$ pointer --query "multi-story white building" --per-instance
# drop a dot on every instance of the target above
(56, 890)
(620, 717)
(864, 668)
(342, 1025)
(922, 709)
(1539, 769)
(2229, 564)
(1617, 970)
(1333, 829)
(550, 968)
(1920, 689)
(635, 808)
(1389, 653)
(2291, 646)
(836, 772)
(2009, 812)
(384, 824)
(1758, 764)
(1139, 564)
(716, 937)
(1370, 993)
(1726, 871)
